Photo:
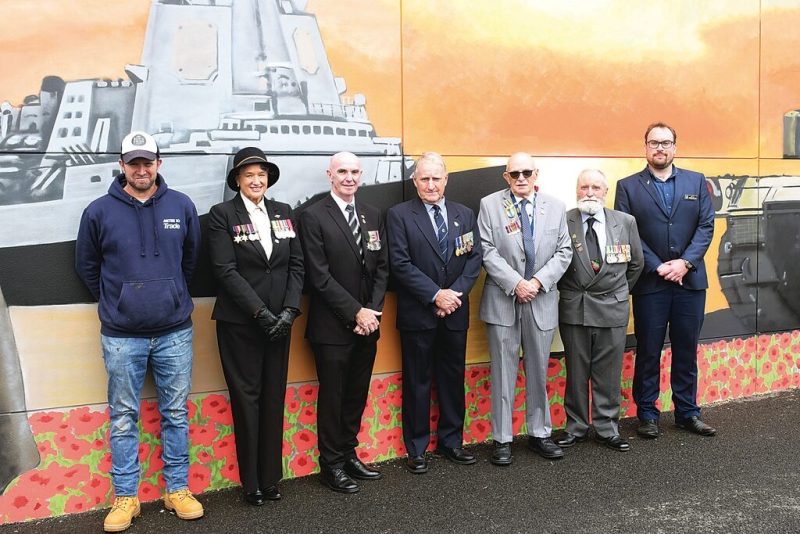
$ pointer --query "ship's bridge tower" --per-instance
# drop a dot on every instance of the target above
(204, 59)
(185, 82)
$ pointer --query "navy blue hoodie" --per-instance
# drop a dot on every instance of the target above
(137, 259)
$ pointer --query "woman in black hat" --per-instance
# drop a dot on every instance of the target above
(258, 263)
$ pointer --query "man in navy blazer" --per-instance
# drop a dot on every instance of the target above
(434, 248)
(675, 218)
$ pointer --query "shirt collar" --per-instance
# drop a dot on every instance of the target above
(600, 216)
(250, 206)
(429, 207)
(342, 204)
(517, 199)
(674, 174)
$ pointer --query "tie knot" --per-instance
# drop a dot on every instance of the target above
(590, 221)
(436, 208)
(350, 208)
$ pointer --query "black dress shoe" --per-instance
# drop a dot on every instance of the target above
(337, 480)
(545, 448)
(614, 442)
(457, 455)
(648, 429)
(695, 425)
(256, 498)
(502, 454)
(356, 469)
(568, 440)
(417, 464)
(272, 493)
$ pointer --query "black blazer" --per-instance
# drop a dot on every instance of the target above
(420, 270)
(246, 279)
(339, 281)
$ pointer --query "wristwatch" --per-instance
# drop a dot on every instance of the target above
(688, 264)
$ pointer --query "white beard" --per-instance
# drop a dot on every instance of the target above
(590, 206)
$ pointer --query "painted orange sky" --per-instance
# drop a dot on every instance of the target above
(484, 78)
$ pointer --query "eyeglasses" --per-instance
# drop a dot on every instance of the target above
(527, 173)
(663, 144)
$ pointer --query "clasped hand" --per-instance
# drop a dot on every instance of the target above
(673, 271)
(527, 290)
(447, 301)
(366, 321)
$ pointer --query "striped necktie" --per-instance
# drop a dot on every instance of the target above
(353, 223)
(527, 239)
(441, 230)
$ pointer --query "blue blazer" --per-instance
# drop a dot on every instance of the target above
(418, 266)
(684, 233)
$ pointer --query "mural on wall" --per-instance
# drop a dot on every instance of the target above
(210, 76)
(247, 72)
(759, 260)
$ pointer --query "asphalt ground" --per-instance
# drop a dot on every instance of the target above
(746, 479)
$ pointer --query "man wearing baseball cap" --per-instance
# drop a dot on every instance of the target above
(136, 250)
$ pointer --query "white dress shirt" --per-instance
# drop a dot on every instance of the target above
(260, 219)
(599, 228)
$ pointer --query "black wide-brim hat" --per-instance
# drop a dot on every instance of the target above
(248, 156)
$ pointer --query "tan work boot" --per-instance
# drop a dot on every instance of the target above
(184, 504)
(121, 514)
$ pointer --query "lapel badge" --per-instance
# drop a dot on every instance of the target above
(455, 223)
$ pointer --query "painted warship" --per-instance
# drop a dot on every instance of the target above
(215, 76)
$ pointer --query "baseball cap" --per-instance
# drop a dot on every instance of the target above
(139, 145)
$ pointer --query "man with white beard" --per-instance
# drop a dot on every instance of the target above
(593, 311)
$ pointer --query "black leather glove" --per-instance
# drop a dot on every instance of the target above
(266, 319)
(283, 324)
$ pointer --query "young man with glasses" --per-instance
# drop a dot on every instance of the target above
(526, 249)
(675, 218)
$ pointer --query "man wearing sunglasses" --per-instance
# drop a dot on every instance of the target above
(526, 249)
(675, 218)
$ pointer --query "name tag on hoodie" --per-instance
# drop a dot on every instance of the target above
(172, 224)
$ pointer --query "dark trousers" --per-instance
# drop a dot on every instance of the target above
(255, 371)
(594, 358)
(344, 373)
(436, 354)
(683, 311)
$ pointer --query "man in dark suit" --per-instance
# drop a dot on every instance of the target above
(675, 218)
(434, 248)
(347, 270)
(593, 311)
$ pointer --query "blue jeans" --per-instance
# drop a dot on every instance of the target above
(126, 359)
